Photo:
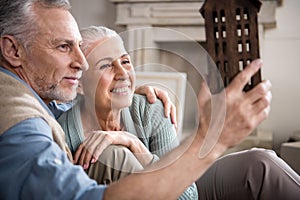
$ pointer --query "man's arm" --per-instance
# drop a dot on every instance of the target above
(244, 111)
(32, 166)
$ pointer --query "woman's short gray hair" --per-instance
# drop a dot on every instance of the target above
(95, 33)
(18, 19)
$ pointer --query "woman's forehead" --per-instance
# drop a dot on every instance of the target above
(110, 48)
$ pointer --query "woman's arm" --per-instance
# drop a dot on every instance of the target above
(97, 141)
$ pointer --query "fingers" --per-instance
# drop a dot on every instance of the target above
(148, 91)
(85, 159)
(89, 151)
(100, 148)
(173, 116)
(169, 107)
(164, 97)
(83, 155)
(263, 104)
(78, 153)
(259, 91)
(244, 76)
(260, 97)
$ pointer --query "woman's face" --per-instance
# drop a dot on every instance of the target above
(110, 80)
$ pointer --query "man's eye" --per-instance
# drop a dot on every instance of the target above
(64, 47)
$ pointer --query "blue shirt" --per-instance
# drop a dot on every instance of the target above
(32, 166)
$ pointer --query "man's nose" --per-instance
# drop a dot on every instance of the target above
(79, 60)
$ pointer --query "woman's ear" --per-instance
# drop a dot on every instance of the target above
(10, 50)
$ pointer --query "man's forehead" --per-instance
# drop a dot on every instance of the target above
(58, 23)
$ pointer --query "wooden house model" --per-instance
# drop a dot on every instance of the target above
(232, 39)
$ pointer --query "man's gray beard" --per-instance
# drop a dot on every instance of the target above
(54, 93)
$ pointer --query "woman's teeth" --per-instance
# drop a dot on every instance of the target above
(120, 90)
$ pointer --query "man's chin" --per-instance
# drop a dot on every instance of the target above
(66, 96)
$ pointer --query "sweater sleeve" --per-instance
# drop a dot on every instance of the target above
(161, 132)
(151, 126)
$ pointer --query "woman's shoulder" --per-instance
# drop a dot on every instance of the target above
(141, 106)
(141, 100)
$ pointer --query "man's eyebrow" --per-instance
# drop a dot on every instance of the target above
(58, 40)
(70, 42)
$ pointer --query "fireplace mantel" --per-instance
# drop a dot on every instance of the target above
(178, 15)
(176, 12)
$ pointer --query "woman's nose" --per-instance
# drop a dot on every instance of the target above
(120, 71)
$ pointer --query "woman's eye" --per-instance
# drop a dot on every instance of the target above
(105, 66)
(125, 62)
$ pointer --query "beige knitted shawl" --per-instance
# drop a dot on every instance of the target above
(18, 103)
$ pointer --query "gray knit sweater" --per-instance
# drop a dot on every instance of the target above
(146, 121)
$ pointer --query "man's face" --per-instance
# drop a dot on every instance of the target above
(55, 62)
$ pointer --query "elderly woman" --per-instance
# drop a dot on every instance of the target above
(110, 116)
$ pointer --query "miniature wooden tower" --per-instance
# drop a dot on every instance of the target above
(231, 37)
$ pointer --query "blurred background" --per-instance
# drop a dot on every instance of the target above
(279, 25)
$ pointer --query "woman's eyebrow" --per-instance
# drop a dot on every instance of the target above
(110, 59)
(126, 54)
(104, 59)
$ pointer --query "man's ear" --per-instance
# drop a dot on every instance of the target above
(10, 50)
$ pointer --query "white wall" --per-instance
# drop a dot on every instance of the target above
(94, 12)
(280, 52)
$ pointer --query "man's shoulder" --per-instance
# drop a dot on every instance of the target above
(25, 129)
(18, 102)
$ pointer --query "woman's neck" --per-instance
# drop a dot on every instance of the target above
(109, 120)
(101, 119)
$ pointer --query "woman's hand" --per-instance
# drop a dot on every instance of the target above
(152, 93)
(92, 147)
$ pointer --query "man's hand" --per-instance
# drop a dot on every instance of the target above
(244, 111)
(153, 93)
(92, 147)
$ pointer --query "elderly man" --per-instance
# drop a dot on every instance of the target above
(41, 61)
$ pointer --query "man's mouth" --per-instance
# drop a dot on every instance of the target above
(72, 80)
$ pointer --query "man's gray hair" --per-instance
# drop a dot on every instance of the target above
(94, 33)
(18, 19)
